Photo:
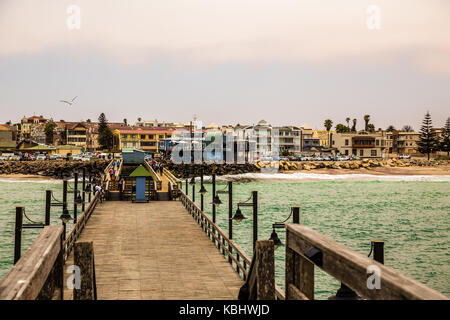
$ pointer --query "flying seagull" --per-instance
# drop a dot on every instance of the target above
(69, 102)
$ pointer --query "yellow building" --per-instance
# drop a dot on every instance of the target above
(149, 140)
(323, 136)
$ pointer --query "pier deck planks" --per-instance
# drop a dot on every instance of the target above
(155, 251)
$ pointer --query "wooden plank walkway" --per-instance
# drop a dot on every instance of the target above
(155, 251)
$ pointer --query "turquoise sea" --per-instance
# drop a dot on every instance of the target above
(412, 217)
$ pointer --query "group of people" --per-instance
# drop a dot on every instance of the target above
(157, 167)
(114, 167)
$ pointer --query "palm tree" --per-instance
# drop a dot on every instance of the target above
(328, 125)
(354, 126)
(407, 128)
(348, 122)
(366, 119)
(139, 119)
(125, 121)
(390, 128)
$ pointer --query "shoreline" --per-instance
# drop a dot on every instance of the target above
(371, 171)
(381, 171)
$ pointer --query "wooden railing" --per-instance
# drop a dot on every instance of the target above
(78, 227)
(39, 272)
(306, 248)
(155, 177)
(175, 184)
(232, 252)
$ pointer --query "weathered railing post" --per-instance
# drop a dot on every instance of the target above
(201, 194)
(299, 272)
(193, 193)
(213, 195)
(230, 217)
(378, 251)
(255, 218)
(187, 188)
(84, 190)
(84, 259)
(75, 190)
(18, 233)
(48, 202)
(64, 206)
(92, 189)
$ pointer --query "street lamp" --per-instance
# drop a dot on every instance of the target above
(238, 217)
(65, 216)
(295, 211)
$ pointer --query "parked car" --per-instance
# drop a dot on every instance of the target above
(404, 156)
(76, 157)
(41, 157)
(86, 158)
(4, 158)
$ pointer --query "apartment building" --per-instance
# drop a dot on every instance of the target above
(362, 144)
(31, 128)
(289, 139)
(309, 141)
(149, 140)
(405, 142)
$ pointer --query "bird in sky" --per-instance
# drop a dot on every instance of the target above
(69, 102)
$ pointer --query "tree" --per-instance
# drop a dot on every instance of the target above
(49, 131)
(125, 121)
(427, 141)
(371, 127)
(105, 135)
(366, 120)
(445, 142)
(88, 121)
(328, 124)
(390, 128)
(354, 126)
(139, 119)
(340, 128)
(348, 122)
(407, 128)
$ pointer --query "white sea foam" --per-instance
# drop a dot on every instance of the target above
(15, 180)
(301, 176)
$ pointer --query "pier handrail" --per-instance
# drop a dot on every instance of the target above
(78, 227)
(174, 181)
(154, 175)
(241, 262)
(306, 248)
(39, 271)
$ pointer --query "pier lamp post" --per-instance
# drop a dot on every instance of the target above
(65, 218)
(192, 183)
(295, 213)
(202, 191)
(238, 217)
(216, 202)
(213, 197)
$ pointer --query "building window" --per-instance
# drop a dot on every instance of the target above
(361, 153)
(142, 136)
(346, 142)
(373, 153)
(377, 142)
(346, 152)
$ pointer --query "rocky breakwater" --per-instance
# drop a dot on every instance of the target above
(184, 171)
(352, 165)
(49, 168)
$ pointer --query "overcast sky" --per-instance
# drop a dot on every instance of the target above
(227, 61)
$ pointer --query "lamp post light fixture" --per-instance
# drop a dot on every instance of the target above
(295, 212)
(88, 188)
(65, 216)
(238, 216)
(202, 191)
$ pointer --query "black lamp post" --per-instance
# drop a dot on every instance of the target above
(295, 212)
(238, 217)
(192, 183)
(202, 191)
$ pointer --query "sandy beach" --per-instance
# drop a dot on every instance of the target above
(395, 171)
(27, 177)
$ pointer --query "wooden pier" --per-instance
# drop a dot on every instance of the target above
(155, 251)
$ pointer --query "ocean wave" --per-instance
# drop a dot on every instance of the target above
(301, 176)
(16, 180)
